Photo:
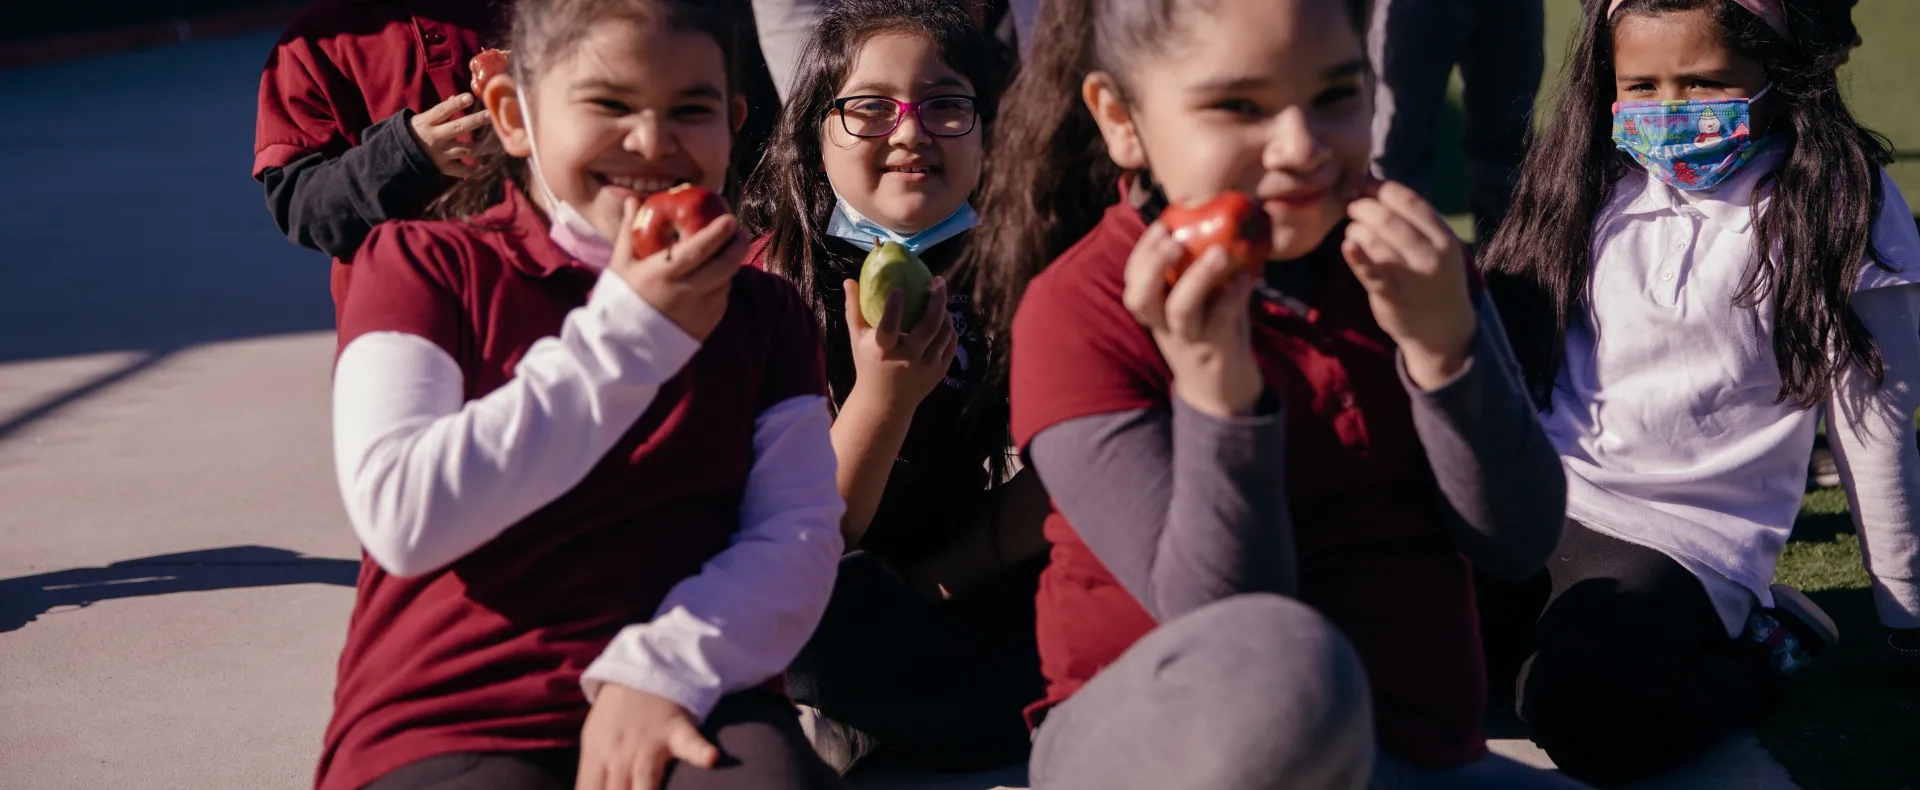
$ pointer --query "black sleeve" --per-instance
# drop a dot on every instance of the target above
(1183, 508)
(331, 202)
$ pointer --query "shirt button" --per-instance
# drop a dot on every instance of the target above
(1679, 244)
(1666, 275)
(1346, 400)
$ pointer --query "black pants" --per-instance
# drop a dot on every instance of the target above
(941, 685)
(758, 733)
(1630, 673)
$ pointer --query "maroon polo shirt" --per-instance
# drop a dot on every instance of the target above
(344, 65)
(486, 654)
(1372, 554)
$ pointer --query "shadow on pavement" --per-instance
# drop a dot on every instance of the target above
(23, 599)
(14, 422)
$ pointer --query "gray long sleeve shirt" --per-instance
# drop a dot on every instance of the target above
(1186, 509)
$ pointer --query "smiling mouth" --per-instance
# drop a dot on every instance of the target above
(644, 185)
(915, 170)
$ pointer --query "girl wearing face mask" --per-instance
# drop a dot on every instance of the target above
(1681, 301)
(1269, 487)
(595, 493)
(927, 647)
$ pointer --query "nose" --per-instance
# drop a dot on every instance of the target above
(649, 137)
(909, 133)
(1294, 145)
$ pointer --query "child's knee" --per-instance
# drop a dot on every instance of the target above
(1277, 687)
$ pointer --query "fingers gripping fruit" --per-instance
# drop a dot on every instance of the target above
(668, 216)
(1230, 221)
(891, 266)
(485, 66)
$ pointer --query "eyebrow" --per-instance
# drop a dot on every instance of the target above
(1717, 75)
(1350, 68)
(872, 87)
(705, 90)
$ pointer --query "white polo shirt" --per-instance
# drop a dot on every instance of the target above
(1666, 411)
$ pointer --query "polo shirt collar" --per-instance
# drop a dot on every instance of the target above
(536, 253)
(1729, 205)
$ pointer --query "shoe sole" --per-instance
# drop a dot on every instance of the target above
(1826, 480)
(1796, 603)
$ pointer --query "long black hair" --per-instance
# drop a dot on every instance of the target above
(1809, 242)
(1051, 177)
(788, 200)
(542, 30)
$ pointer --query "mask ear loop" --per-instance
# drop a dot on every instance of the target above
(533, 146)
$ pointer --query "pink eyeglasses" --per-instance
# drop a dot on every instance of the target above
(878, 116)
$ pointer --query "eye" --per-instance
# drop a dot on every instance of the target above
(1244, 108)
(870, 107)
(1336, 95)
(695, 113)
(612, 106)
(1708, 84)
(1640, 87)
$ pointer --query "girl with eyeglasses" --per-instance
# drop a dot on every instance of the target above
(927, 647)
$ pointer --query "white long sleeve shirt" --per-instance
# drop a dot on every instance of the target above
(428, 477)
(1666, 413)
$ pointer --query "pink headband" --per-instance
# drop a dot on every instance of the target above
(1769, 11)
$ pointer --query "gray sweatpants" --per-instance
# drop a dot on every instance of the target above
(1500, 47)
(1251, 691)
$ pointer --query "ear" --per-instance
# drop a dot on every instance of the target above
(503, 107)
(1102, 95)
(739, 112)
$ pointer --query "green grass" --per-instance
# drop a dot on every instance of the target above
(1879, 85)
(1846, 723)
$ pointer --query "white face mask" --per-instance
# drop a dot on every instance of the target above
(569, 229)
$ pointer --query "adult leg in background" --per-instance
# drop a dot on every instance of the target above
(1414, 45)
(784, 26)
(1500, 67)
(1633, 673)
(1249, 691)
(940, 684)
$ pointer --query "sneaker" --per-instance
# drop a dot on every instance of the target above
(1794, 631)
(839, 745)
(1822, 471)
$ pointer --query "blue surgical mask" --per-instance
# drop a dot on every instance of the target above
(849, 224)
(1691, 145)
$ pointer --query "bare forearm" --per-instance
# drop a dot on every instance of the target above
(867, 437)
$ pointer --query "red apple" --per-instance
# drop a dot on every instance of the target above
(485, 66)
(668, 216)
(1231, 221)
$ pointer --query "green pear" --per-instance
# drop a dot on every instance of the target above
(891, 266)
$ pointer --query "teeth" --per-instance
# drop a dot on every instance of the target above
(639, 184)
(910, 169)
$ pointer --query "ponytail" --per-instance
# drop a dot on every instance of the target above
(1050, 178)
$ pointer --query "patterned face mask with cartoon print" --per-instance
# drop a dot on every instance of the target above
(1692, 145)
